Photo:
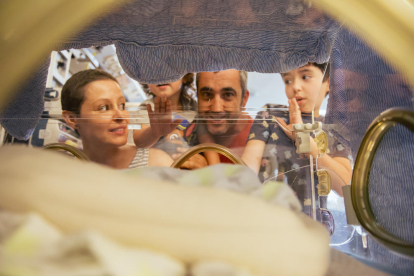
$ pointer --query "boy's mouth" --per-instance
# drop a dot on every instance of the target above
(165, 84)
(299, 100)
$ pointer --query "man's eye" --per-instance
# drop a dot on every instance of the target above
(103, 108)
(228, 95)
(206, 95)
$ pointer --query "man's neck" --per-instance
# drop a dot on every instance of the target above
(227, 138)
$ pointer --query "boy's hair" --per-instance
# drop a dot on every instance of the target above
(74, 88)
(326, 70)
(324, 67)
(186, 93)
(243, 81)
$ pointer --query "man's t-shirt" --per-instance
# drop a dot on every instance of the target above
(238, 144)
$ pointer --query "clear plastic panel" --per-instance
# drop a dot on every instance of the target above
(221, 115)
(216, 111)
(258, 128)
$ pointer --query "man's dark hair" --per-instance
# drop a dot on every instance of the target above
(243, 82)
(186, 96)
(73, 90)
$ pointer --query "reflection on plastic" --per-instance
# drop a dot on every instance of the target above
(326, 218)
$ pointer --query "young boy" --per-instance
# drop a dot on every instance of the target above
(305, 87)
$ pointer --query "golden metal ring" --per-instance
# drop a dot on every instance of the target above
(75, 151)
(360, 179)
(207, 147)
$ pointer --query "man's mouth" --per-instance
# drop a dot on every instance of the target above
(217, 119)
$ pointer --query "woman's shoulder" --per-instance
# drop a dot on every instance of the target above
(139, 156)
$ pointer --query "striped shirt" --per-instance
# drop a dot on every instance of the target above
(140, 160)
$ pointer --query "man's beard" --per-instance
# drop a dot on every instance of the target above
(217, 131)
(219, 123)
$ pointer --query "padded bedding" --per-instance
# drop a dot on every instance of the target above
(187, 223)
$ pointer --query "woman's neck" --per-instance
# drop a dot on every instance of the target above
(109, 156)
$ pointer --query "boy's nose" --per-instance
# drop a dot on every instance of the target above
(297, 86)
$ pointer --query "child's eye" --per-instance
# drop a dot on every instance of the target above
(288, 82)
(306, 77)
(103, 108)
(122, 106)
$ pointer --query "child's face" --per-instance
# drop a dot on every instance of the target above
(166, 90)
(305, 84)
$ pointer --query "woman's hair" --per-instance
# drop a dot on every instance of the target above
(74, 88)
(186, 93)
(324, 67)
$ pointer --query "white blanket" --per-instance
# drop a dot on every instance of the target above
(188, 223)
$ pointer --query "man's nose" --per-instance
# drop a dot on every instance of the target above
(216, 104)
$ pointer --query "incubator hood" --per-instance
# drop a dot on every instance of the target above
(346, 156)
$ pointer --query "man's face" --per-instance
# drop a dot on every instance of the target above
(220, 100)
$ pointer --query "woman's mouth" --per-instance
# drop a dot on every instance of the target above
(119, 130)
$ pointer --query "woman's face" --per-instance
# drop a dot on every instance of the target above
(103, 118)
(166, 90)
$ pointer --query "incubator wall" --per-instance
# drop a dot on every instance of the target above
(283, 156)
(302, 125)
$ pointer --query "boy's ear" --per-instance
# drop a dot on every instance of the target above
(327, 83)
(70, 118)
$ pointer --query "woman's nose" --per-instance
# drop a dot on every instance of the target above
(118, 115)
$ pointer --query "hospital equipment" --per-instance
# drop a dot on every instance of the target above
(362, 46)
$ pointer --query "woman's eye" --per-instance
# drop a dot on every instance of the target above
(103, 108)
